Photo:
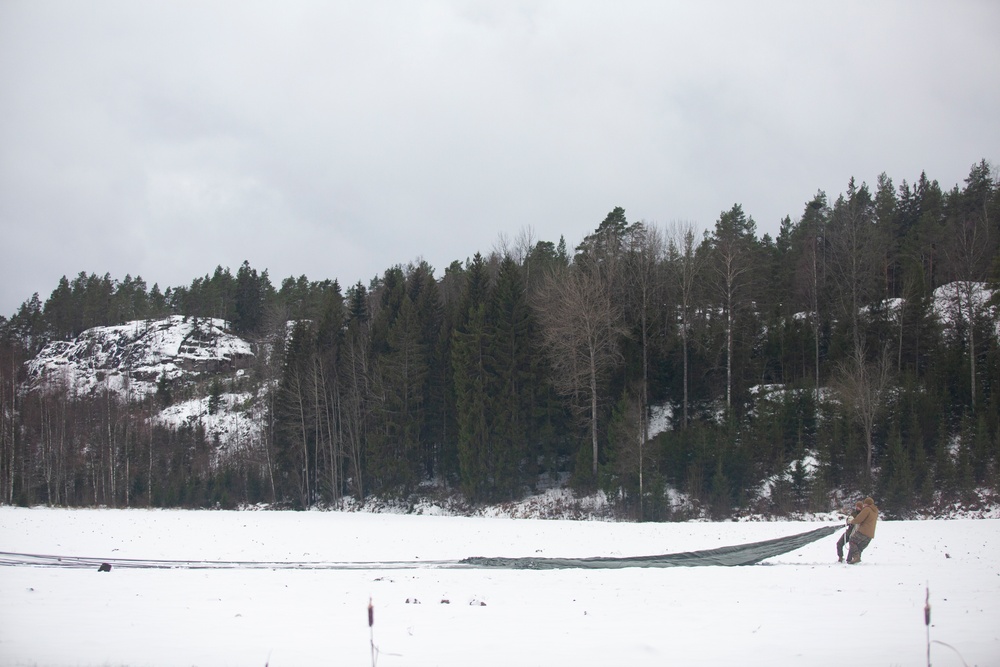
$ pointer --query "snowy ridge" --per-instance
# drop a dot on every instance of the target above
(129, 359)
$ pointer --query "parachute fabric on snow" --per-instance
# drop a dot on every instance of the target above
(740, 554)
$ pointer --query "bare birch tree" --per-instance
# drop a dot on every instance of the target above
(732, 250)
(862, 385)
(643, 286)
(581, 329)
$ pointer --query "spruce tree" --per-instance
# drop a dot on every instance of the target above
(510, 378)
(423, 291)
(250, 294)
(471, 366)
(404, 371)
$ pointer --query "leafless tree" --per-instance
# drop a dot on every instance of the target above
(581, 327)
(523, 244)
(10, 362)
(969, 254)
(332, 434)
(686, 267)
(517, 248)
(862, 385)
(296, 402)
(503, 246)
(732, 267)
(643, 286)
(856, 257)
(354, 403)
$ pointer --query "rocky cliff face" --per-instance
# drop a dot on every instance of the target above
(130, 358)
(192, 356)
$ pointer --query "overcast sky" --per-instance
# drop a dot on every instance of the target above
(336, 139)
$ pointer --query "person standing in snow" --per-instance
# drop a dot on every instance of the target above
(850, 530)
(865, 531)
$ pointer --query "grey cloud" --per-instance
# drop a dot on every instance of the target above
(337, 139)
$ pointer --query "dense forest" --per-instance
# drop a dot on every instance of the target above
(854, 352)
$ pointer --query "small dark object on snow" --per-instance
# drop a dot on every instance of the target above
(105, 567)
(445, 601)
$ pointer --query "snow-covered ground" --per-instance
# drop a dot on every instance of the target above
(800, 608)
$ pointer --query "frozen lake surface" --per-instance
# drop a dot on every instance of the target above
(802, 607)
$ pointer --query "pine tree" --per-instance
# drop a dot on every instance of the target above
(61, 312)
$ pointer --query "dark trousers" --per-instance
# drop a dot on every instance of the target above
(843, 541)
(858, 544)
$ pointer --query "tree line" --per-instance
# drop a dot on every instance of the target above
(810, 364)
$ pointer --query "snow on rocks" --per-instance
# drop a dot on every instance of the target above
(957, 301)
(130, 358)
(234, 426)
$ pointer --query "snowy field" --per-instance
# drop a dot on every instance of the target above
(801, 608)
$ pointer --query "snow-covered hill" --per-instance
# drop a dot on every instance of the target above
(130, 358)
